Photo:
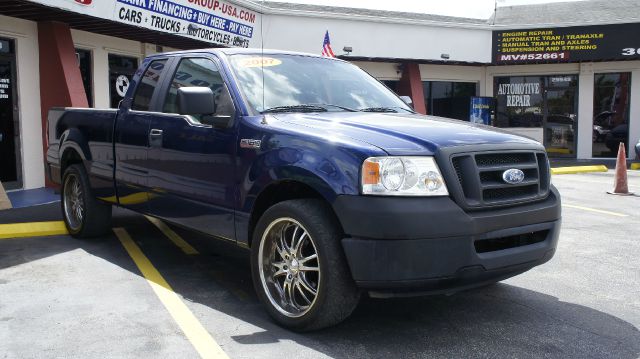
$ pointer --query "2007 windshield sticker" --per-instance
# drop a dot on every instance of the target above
(259, 62)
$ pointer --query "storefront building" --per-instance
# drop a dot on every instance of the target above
(572, 85)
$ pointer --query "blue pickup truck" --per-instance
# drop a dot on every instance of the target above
(333, 182)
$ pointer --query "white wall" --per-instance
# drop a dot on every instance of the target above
(25, 35)
(380, 70)
(375, 38)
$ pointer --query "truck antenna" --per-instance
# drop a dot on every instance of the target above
(262, 56)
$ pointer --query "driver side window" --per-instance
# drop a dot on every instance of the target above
(200, 72)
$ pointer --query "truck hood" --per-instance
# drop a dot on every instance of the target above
(402, 134)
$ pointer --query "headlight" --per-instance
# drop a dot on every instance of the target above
(402, 176)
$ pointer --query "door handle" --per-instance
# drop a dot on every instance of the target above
(155, 138)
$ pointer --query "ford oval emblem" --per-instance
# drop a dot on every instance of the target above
(513, 176)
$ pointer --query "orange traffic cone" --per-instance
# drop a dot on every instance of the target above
(620, 185)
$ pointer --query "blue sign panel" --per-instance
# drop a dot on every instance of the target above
(480, 111)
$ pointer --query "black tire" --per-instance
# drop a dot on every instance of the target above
(337, 295)
(95, 218)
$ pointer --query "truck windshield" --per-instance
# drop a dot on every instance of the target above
(298, 83)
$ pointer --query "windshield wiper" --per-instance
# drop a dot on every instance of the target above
(310, 107)
(296, 108)
(377, 109)
(336, 106)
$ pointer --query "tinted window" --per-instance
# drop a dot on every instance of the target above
(148, 83)
(199, 72)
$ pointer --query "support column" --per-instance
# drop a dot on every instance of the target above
(585, 112)
(60, 81)
(411, 85)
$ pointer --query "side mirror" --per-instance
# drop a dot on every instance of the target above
(407, 100)
(196, 101)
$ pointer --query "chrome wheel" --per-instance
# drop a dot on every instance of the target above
(73, 202)
(289, 267)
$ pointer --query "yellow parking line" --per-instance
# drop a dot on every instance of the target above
(595, 210)
(578, 169)
(173, 236)
(192, 328)
(32, 229)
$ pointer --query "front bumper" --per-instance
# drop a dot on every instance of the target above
(430, 245)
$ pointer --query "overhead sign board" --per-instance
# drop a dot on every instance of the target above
(566, 44)
(213, 21)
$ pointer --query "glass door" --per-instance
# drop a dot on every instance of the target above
(10, 173)
(560, 120)
(611, 100)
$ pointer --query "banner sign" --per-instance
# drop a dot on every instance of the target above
(213, 21)
(480, 111)
(566, 44)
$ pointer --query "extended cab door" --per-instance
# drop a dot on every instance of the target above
(191, 160)
(131, 140)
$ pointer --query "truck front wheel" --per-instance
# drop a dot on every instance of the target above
(298, 266)
(84, 216)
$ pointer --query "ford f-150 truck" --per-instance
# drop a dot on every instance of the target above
(332, 181)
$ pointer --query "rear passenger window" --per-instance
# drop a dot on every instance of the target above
(199, 72)
(148, 83)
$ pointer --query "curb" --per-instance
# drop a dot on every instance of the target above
(32, 229)
(635, 166)
(578, 169)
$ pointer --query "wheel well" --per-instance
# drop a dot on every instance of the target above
(276, 193)
(69, 157)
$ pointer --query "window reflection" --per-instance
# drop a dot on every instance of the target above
(293, 80)
(610, 113)
(542, 107)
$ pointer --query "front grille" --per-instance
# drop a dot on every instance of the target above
(493, 159)
(482, 185)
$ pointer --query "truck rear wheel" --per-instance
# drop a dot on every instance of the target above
(84, 216)
(298, 266)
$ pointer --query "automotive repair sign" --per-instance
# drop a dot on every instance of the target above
(567, 44)
(213, 21)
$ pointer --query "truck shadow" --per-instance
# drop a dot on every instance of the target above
(501, 320)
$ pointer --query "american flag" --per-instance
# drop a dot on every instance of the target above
(326, 46)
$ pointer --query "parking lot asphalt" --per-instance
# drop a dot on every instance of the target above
(67, 298)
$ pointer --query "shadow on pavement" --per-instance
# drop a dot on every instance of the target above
(496, 321)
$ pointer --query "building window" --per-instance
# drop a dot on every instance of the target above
(610, 113)
(547, 103)
(121, 70)
(84, 63)
(449, 99)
